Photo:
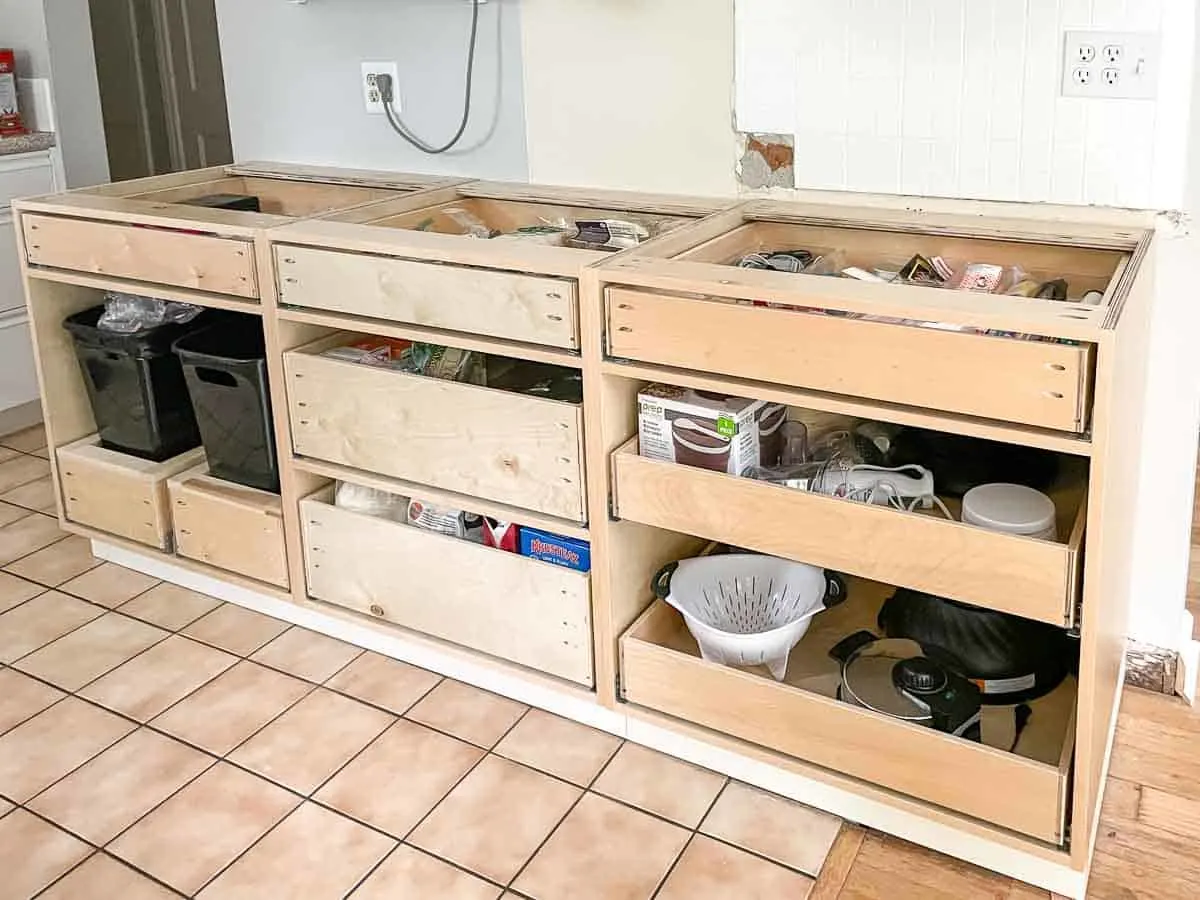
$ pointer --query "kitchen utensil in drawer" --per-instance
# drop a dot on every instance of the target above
(745, 609)
(895, 678)
(1011, 659)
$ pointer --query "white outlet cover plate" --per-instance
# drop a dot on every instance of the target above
(371, 102)
(1136, 72)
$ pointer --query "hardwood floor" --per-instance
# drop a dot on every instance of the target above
(1149, 844)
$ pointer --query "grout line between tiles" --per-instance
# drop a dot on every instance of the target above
(15, 668)
(233, 862)
(119, 605)
(62, 826)
(586, 790)
(662, 882)
(12, 562)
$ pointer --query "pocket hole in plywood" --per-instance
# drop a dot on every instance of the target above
(1054, 395)
(1056, 367)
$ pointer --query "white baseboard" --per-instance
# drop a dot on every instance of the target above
(1044, 873)
(18, 418)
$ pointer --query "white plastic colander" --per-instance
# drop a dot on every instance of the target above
(747, 610)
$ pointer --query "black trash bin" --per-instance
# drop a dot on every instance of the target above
(136, 386)
(226, 370)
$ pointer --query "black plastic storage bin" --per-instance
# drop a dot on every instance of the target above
(226, 370)
(136, 385)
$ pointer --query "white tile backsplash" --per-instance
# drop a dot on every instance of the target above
(961, 98)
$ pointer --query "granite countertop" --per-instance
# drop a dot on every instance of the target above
(33, 142)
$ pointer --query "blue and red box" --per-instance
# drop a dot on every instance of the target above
(556, 549)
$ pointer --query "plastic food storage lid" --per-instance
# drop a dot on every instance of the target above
(1009, 507)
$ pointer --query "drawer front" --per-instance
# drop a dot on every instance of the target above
(120, 494)
(529, 308)
(1025, 577)
(1042, 384)
(519, 450)
(28, 180)
(518, 609)
(198, 261)
(229, 526)
(1011, 791)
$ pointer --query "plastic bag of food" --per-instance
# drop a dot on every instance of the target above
(470, 223)
(447, 363)
(446, 520)
(129, 313)
(370, 502)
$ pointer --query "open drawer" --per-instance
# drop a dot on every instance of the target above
(229, 526)
(512, 448)
(1031, 382)
(1036, 579)
(1024, 790)
(501, 260)
(118, 493)
(871, 316)
(533, 309)
(164, 230)
(519, 609)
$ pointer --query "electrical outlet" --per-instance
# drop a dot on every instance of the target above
(370, 86)
(1111, 65)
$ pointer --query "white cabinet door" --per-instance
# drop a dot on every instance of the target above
(25, 175)
(18, 378)
(12, 291)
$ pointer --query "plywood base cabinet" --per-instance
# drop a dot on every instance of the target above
(337, 255)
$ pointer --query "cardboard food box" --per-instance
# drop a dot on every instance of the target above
(712, 431)
(556, 548)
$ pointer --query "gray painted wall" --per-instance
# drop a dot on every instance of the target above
(23, 28)
(76, 92)
(292, 80)
(53, 39)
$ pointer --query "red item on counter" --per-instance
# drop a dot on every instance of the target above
(501, 535)
(10, 115)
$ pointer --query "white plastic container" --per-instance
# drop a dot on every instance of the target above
(748, 610)
(1012, 508)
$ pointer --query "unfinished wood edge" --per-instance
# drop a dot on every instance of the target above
(606, 663)
(1151, 668)
(838, 863)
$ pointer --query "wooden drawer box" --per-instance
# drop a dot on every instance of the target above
(1023, 576)
(229, 526)
(514, 449)
(1030, 382)
(203, 262)
(522, 610)
(120, 494)
(1025, 791)
(529, 308)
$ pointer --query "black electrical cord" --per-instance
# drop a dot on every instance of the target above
(386, 95)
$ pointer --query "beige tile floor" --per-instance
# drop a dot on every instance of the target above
(155, 742)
